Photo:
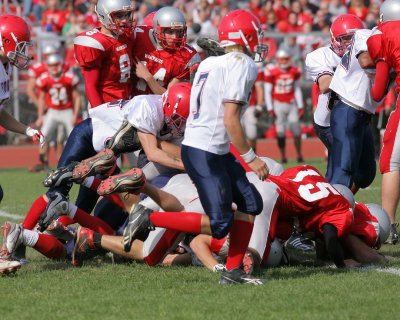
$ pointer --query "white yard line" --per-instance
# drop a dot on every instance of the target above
(395, 271)
(10, 215)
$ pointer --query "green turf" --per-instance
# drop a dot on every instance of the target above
(47, 289)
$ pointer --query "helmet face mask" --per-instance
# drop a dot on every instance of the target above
(342, 32)
(116, 16)
(176, 105)
(170, 29)
(15, 40)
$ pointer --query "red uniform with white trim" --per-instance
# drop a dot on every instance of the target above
(384, 44)
(306, 194)
(365, 225)
(112, 56)
(282, 82)
(58, 90)
(162, 64)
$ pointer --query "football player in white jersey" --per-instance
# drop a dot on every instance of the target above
(15, 40)
(352, 156)
(220, 90)
(321, 65)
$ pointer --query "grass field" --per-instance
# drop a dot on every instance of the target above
(44, 289)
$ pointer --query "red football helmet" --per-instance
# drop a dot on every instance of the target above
(176, 104)
(342, 31)
(148, 20)
(243, 28)
(15, 40)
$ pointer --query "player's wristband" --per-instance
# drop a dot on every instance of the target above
(249, 156)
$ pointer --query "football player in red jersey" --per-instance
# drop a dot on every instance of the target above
(60, 97)
(162, 56)
(105, 53)
(384, 49)
(284, 100)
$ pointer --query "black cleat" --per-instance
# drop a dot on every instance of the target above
(393, 235)
(138, 227)
(57, 206)
(124, 140)
(61, 176)
(238, 276)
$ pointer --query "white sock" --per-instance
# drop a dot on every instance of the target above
(72, 210)
(29, 238)
(87, 182)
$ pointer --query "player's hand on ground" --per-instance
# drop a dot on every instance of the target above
(141, 70)
(36, 135)
(260, 168)
(350, 263)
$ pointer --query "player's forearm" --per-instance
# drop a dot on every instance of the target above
(365, 60)
(201, 248)
(237, 137)
(92, 79)
(161, 157)
(163, 199)
(268, 96)
(360, 251)
(380, 86)
(333, 245)
(10, 123)
(324, 83)
(154, 86)
(172, 149)
(298, 95)
(30, 91)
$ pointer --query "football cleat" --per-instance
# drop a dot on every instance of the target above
(138, 227)
(238, 276)
(131, 181)
(84, 248)
(59, 231)
(251, 262)
(393, 235)
(124, 140)
(8, 267)
(210, 46)
(100, 163)
(57, 206)
(299, 241)
(61, 176)
(12, 238)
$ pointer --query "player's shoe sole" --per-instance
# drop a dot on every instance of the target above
(12, 238)
(57, 206)
(124, 140)
(100, 163)
(238, 276)
(60, 176)
(9, 267)
(131, 181)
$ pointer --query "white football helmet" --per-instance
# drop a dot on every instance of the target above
(117, 16)
(389, 11)
(275, 254)
(283, 59)
(170, 18)
(383, 219)
(346, 192)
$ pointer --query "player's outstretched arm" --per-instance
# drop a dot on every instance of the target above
(360, 251)
(333, 245)
(381, 83)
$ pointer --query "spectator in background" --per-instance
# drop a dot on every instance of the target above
(321, 21)
(36, 6)
(290, 45)
(92, 19)
(280, 10)
(53, 18)
(203, 17)
(302, 15)
(271, 21)
(358, 8)
(308, 42)
(336, 8)
(255, 7)
(293, 25)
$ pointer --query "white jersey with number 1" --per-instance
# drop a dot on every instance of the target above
(227, 78)
(350, 81)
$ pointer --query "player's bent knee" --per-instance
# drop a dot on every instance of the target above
(221, 229)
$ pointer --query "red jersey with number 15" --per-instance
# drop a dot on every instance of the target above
(384, 43)
(306, 194)
(282, 82)
(58, 90)
(162, 64)
(112, 56)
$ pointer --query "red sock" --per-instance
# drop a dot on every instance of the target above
(179, 221)
(34, 213)
(50, 247)
(95, 184)
(93, 223)
(239, 240)
(65, 220)
(158, 251)
(114, 198)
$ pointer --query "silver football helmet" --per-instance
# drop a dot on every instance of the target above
(389, 11)
(346, 192)
(282, 57)
(383, 219)
(55, 64)
(275, 254)
(116, 15)
(49, 49)
(172, 20)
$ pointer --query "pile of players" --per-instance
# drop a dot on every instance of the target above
(215, 210)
